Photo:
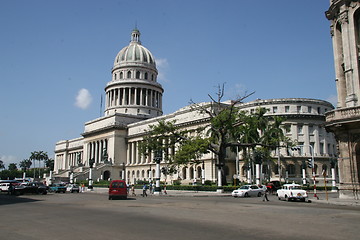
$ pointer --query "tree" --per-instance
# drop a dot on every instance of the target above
(225, 128)
(12, 167)
(25, 164)
(38, 156)
(2, 166)
(49, 163)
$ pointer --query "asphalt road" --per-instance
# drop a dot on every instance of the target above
(92, 216)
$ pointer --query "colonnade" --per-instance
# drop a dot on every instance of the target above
(97, 150)
(67, 160)
(133, 96)
(135, 157)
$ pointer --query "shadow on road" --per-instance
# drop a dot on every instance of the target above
(11, 199)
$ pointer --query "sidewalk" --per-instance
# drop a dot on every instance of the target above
(333, 197)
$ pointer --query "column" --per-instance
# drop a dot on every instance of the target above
(128, 153)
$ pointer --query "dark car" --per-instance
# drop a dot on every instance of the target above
(273, 186)
(30, 187)
(57, 187)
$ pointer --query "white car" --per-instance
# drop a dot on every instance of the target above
(292, 192)
(72, 188)
(248, 191)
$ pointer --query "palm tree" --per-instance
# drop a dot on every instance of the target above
(25, 164)
(40, 156)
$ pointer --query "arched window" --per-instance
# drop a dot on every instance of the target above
(138, 75)
(184, 173)
(199, 172)
(315, 168)
(324, 169)
(129, 74)
(146, 76)
(121, 75)
(143, 174)
(191, 173)
(115, 75)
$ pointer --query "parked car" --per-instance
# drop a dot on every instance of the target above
(248, 191)
(5, 184)
(292, 192)
(117, 189)
(72, 188)
(30, 187)
(273, 186)
(57, 187)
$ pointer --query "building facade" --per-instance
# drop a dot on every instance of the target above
(344, 121)
(109, 144)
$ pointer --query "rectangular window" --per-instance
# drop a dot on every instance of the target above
(298, 109)
(300, 129)
(321, 148)
(275, 109)
(287, 109)
(309, 109)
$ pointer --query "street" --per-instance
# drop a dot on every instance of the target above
(93, 216)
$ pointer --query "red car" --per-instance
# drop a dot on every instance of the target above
(117, 189)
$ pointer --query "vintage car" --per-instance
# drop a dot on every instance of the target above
(57, 187)
(30, 187)
(248, 191)
(72, 188)
(291, 192)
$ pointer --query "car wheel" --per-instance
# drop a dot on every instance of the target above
(110, 198)
(246, 195)
(259, 194)
(279, 198)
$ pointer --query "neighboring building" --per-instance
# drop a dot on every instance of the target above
(344, 121)
(134, 102)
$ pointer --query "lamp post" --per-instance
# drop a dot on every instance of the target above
(157, 160)
(91, 162)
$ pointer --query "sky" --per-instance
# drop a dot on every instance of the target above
(56, 58)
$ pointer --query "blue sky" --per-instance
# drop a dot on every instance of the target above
(56, 58)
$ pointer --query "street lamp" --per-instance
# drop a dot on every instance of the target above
(91, 163)
(157, 160)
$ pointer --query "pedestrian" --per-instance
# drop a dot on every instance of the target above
(165, 188)
(144, 190)
(265, 193)
(151, 188)
(133, 190)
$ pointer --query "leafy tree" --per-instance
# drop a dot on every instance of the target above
(49, 163)
(2, 166)
(12, 167)
(225, 128)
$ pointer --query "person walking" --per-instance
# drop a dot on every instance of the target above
(144, 190)
(133, 190)
(265, 195)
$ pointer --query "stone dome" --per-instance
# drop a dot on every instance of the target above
(134, 53)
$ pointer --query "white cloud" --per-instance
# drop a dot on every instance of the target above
(162, 65)
(83, 99)
(9, 159)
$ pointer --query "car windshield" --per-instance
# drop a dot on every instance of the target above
(295, 187)
(244, 187)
